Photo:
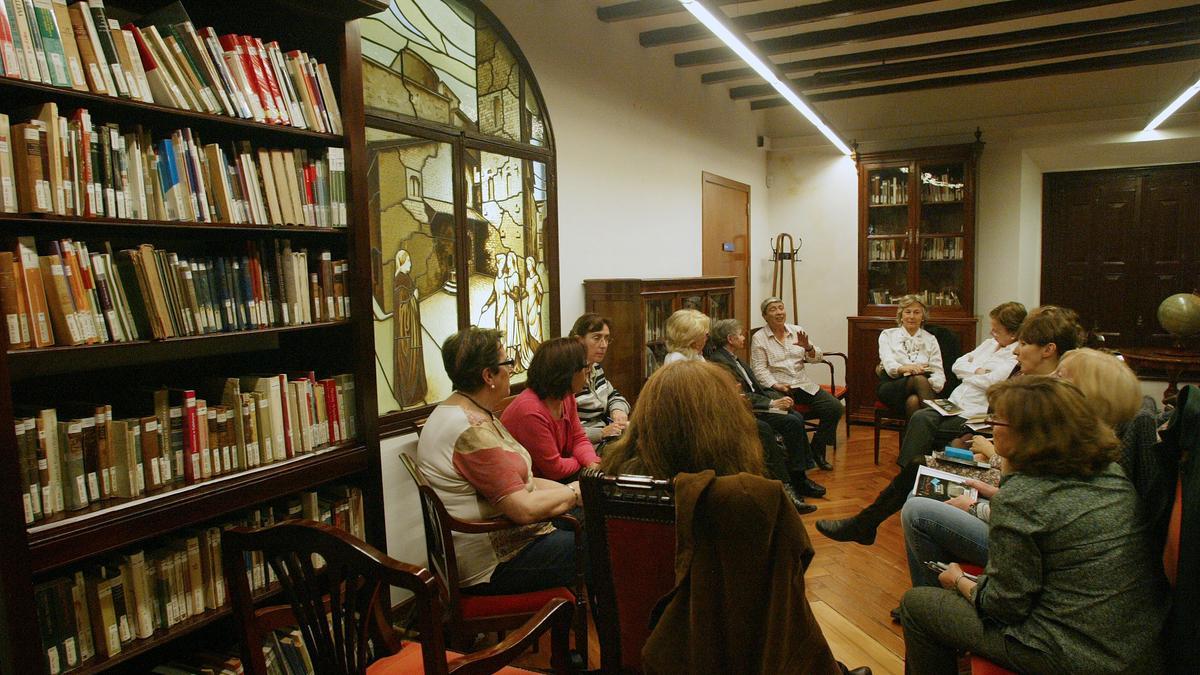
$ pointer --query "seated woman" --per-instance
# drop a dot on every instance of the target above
(769, 405)
(481, 472)
(957, 529)
(1046, 333)
(1071, 584)
(542, 417)
(910, 360)
(991, 362)
(687, 331)
(683, 424)
(602, 410)
(778, 353)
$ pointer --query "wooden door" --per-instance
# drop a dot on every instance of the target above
(726, 238)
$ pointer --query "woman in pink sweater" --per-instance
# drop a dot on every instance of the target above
(543, 417)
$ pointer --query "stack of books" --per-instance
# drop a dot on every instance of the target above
(105, 607)
(71, 295)
(80, 456)
(164, 59)
(72, 165)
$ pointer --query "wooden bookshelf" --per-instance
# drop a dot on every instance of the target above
(326, 30)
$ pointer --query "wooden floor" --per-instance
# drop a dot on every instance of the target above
(851, 587)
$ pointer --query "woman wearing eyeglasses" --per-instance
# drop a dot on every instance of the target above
(1071, 583)
(543, 418)
(481, 472)
(603, 411)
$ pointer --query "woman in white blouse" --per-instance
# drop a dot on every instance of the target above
(910, 359)
(687, 332)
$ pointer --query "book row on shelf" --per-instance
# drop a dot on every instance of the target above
(939, 298)
(942, 248)
(889, 191)
(165, 60)
(80, 455)
(71, 165)
(887, 250)
(112, 602)
(941, 188)
(72, 296)
(657, 314)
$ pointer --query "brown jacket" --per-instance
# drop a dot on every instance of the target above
(738, 605)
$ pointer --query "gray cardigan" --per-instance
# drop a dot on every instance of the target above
(1070, 573)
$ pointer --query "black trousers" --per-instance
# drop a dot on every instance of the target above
(928, 430)
(795, 437)
(828, 411)
(774, 455)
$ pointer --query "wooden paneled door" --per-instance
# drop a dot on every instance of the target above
(726, 238)
(1115, 243)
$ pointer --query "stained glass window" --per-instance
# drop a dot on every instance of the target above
(447, 62)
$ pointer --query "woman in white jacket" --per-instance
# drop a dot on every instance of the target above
(910, 360)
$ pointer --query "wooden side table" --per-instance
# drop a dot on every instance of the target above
(1174, 362)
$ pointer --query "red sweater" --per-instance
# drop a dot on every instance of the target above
(558, 447)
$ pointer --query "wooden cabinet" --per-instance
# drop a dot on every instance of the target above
(639, 309)
(916, 235)
(863, 338)
(916, 218)
(127, 373)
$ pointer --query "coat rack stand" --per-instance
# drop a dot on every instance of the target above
(784, 250)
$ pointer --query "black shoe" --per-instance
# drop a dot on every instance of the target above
(895, 615)
(847, 529)
(807, 488)
(861, 670)
(822, 463)
(801, 506)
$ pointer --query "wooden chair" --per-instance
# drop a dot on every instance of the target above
(886, 419)
(631, 545)
(841, 393)
(470, 614)
(948, 344)
(342, 607)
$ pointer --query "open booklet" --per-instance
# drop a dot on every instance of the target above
(943, 406)
(941, 485)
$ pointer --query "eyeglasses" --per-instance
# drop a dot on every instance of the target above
(600, 338)
(993, 421)
(510, 363)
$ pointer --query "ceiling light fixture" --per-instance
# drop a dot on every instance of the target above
(1183, 97)
(765, 68)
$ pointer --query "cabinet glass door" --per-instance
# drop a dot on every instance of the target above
(887, 234)
(658, 310)
(940, 232)
(719, 305)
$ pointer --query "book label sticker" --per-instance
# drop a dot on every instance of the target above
(155, 473)
(10, 193)
(14, 329)
(80, 490)
(76, 71)
(43, 327)
(93, 484)
(114, 639)
(28, 508)
(52, 657)
(71, 654)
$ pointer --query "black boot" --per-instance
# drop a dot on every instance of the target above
(821, 462)
(801, 506)
(848, 529)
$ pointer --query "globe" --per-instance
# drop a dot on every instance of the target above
(1179, 314)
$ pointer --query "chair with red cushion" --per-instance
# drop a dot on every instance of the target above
(835, 390)
(631, 542)
(341, 607)
(469, 614)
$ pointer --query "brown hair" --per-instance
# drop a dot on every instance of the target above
(467, 353)
(1112, 390)
(1010, 315)
(688, 418)
(906, 302)
(554, 365)
(1057, 432)
(590, 323)
(1049, 324)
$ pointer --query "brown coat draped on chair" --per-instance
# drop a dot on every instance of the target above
(738, 605)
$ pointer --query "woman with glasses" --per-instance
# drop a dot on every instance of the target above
(481, 472)
(1071, 584)
(603, 411)
(543, 418)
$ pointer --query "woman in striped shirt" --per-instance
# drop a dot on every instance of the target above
(602, 410)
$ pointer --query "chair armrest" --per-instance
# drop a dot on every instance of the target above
(555, 616)
(479, 526)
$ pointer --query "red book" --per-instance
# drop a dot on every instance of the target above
(264, 63)
(250, 60)
(191, 438)
(331, 410)
(8, 47)
(83, 120)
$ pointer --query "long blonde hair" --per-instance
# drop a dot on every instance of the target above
(684, 327)
(688, 418)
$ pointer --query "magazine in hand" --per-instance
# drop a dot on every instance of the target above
(943, 406)
(941, 485)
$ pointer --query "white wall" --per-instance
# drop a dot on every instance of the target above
(633, 135)
(813, 195)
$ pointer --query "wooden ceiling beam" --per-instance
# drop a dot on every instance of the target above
(901, 27)
(1108, 62)
(1092, 44)
(780, 18)
(641, 9)
(881, 56)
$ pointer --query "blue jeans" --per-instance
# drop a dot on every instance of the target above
(940, 532)
(548, 562)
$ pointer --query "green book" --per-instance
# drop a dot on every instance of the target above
(56, 56)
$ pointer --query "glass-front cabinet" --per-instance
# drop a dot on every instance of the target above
(916, 228)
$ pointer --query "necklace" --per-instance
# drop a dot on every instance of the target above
(477, 403)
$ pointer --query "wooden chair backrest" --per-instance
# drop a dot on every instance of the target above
(439, 539)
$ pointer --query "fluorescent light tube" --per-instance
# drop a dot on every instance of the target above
(764, 68)
(1183, 97)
